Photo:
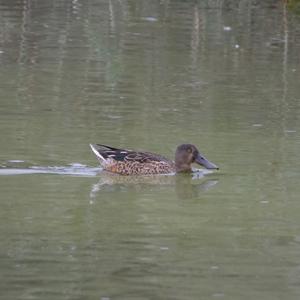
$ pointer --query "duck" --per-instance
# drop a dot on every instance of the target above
(130, 162)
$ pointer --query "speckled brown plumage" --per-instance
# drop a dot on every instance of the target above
(140, 168)
(129, 162)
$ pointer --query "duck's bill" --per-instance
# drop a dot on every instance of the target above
(201, 160)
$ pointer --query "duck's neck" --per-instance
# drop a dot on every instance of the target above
(182, 167)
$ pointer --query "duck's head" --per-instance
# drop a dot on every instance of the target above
(186, 154)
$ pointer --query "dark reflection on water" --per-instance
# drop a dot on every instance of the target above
(223, 75)
(186, 186)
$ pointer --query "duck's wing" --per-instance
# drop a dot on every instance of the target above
(104, 153)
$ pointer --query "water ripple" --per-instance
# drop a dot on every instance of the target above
(73, 169)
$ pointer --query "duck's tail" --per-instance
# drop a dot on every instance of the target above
(97, 150)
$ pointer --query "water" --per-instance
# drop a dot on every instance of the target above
(149, 75)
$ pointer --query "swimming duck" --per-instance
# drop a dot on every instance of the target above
(130, 162)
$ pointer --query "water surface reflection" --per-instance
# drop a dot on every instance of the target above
(186, 186)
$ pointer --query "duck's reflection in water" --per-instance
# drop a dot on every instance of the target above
(186, 185)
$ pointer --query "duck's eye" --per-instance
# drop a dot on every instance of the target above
(189, 150)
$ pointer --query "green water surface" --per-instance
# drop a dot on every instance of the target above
(223, 75)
